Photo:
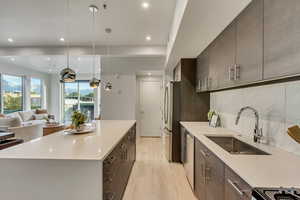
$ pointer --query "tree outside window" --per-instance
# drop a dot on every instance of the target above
(36, 89)
(12, 90)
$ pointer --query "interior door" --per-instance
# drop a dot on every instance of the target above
(150, 108)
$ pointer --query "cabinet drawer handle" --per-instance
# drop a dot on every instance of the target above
(231, 73)
(235, 187)
(207, 174)
(204, 153)
(109, 196)
(111, 160)
(108, 180)
(237, 72)
(203, 170)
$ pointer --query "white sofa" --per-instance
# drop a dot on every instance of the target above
(24, 125)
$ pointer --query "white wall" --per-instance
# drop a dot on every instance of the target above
(120, 102)
(278, 106)
(11, 69)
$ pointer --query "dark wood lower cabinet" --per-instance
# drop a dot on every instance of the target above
(118, 165)
(199, 175)
(209, 174)
(235, 187)
(214, 180)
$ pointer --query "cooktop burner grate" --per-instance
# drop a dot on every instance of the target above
(279, 193)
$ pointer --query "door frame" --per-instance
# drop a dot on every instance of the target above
(140, 79)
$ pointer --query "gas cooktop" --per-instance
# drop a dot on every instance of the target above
(276, 194)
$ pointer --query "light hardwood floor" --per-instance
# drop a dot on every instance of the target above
(154, 178)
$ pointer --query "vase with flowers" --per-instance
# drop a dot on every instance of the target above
(78, 120)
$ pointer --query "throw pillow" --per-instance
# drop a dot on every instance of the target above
(41, 111)
(40, 116)
(14, 115)
(26, 115)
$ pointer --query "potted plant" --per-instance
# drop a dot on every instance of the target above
(78, 120)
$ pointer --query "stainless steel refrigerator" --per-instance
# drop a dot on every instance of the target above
(182, 103)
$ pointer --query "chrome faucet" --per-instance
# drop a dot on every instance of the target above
(257, 131)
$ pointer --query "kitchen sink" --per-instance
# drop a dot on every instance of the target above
(235, 146)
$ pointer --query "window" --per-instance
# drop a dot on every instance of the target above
(36, 90)
(12, 93)
(78, 96)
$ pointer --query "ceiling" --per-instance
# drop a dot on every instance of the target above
(42, 22)
(53, 64)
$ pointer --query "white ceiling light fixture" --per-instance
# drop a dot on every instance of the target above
(148, 38)
(149, 74)
(62, 39)
(145, 5)
(10, 40)
(94, 82)
(12, 59)
(67, 75)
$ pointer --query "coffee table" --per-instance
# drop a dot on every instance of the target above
(50, 129)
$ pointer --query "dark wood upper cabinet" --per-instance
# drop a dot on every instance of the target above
(222, 58)
(203, 71)
(281, 38)
(261, 44)
(249, 44)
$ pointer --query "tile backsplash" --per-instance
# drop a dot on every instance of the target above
(278, 106)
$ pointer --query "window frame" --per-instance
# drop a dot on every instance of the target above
(23, 78)
(41, 91)
(78, 98)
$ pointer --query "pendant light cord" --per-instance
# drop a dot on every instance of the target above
(67, 33)
(94, 41)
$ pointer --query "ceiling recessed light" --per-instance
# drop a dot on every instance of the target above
(79, 59)
(148, 38)
(10, 40)
(145, 5)
(48, 58)
(12, 59)
(149, 74)
(62, 39)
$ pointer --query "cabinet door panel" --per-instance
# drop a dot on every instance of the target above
(281, 38)
(199, 181)
(223, 58)
(249, 43)
(235, 187)
(214, 178)
(203, 71)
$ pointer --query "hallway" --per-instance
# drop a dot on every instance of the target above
(153, 178)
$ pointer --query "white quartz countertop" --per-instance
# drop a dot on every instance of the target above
(61, 145)
(280, 169)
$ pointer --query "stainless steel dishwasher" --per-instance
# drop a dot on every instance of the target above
(189, 161)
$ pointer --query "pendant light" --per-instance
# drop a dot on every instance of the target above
(94, 82)
(68, 75)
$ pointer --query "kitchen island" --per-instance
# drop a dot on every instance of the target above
(94, 166)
